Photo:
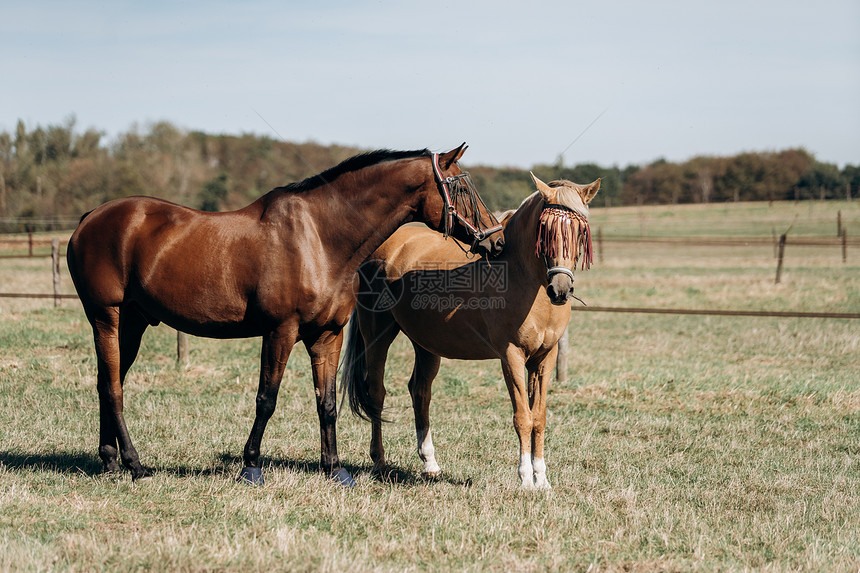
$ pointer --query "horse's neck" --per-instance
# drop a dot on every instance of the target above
(520, 237)
(355, 213)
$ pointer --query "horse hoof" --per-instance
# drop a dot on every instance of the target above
(432, 476)
(111, 469)
(252, 476)
(141, 473)
(342, 477)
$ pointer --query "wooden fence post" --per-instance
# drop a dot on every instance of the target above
(844, 245)
(599, 244)
(30, 242)
(775, 243)
(561, 361)
(181, 349)
(55, 260)
(782, 239)
(779, 261)
(839, 223)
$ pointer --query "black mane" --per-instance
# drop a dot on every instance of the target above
(354, 163)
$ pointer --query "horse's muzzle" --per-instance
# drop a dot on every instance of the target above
(560, 289)
(491, 246)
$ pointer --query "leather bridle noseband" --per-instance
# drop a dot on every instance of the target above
(464, 193)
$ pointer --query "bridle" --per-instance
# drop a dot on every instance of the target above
(463, 191)
(548, 246)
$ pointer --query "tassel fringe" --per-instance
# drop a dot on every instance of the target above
(555, 235)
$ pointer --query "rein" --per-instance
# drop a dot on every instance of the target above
(464, 193)
(550, 245)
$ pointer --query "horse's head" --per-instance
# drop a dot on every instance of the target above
(451, 204)
(563, 234)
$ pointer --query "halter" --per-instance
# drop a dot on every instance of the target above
(548, 245)
(464, 192)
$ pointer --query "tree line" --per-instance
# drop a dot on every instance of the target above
(50, 176)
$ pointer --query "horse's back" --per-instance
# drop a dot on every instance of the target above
(106, 247)
(412, 247)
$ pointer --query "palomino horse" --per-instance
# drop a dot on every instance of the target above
(280, 268)
(513, 308)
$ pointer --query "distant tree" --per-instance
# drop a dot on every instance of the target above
(58, 140)
(20, 139)
(88, 144)
(125, 181)
(821, 180)
(54, 171)
(659, 182)
(6, 158)
(213, 193)
(851, 176)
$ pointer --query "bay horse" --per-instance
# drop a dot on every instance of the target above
(280, 268)
(513, 308)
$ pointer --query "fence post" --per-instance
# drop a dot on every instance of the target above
(561, 361)
(30, 242)
(181, 349)
(844, 245)
(779, 261)
(55, 260)
(599, 244)
(839, 223)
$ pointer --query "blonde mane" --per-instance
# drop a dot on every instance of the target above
(568, 195)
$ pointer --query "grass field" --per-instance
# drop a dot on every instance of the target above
(679, 443)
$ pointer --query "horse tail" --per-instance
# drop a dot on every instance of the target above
(353, 381)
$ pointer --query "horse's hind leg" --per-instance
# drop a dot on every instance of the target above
(132, 325)
(423, 372)
(112, 428)
(379, 331)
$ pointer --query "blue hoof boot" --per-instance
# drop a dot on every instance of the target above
(253, 476)
(342, 477)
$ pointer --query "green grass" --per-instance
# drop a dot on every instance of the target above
(679, 442)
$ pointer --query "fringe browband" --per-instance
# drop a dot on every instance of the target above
(552, 243)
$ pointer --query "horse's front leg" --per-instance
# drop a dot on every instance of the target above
(325, 352)
(540, 374)
(513, 366)
(277, 346)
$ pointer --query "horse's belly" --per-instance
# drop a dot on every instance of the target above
(447, 333)
(211, 320)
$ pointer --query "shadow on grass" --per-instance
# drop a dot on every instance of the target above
(90, 465)
(392, 474)
(81, 463)
(60, 462)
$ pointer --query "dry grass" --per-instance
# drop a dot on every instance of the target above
(680, 442)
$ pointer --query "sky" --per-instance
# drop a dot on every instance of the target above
(609, 82)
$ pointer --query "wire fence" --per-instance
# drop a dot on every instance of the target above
(561, 370)
(34, 244)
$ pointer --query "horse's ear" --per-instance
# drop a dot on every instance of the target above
(589, 191)
(547, 192)
(453, 156)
